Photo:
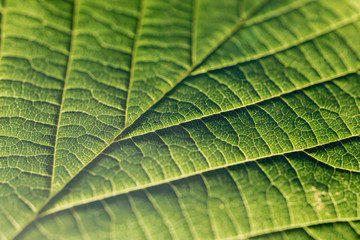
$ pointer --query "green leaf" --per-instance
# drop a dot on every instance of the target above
(195, 119)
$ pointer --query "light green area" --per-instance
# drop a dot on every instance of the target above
(195, 119)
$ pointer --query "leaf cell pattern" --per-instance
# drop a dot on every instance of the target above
(195, 119)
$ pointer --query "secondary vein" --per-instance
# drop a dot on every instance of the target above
(199, 172)
(72, 40)
(67, 74)
(237, 27)
(133, 54)
(321, 81)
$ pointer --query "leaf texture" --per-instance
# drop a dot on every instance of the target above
(196, 119)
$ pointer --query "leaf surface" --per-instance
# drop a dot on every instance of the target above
(195, 119)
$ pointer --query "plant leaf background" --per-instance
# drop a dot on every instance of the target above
(181, 119)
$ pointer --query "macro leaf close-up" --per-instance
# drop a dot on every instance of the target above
(180, 119)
